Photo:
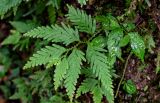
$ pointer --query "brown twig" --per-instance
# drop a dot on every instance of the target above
(125, 67)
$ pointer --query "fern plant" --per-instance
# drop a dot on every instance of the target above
(12, 5)
(6, 5)
(70, 58)
(69, 61)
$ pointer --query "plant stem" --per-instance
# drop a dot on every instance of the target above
(125, 67)
(93, 36)
(82, 42)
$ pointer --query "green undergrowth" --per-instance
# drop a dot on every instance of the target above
(66, 56)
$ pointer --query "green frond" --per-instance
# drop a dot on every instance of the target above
(64, 34)
(6, 5)
(45, 55)
(83, 21)
(82, 2)
(101, 67)
(97, 94)
(12, 39)
(86, 86)
(109, 96)
(75, 62)
(60, 71)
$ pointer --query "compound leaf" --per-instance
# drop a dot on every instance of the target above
(45, 55)
(83, 21)
(101, 68)
(75, 62)
(86, 86)
(60, 71)
(64, 34)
